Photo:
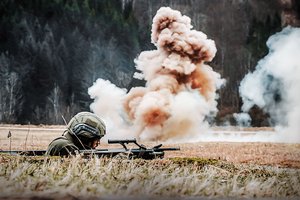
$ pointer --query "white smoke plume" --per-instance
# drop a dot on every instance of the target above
(242, 119)
(180, 90)
(275, 84)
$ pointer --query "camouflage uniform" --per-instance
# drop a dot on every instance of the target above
(82, 129)
(62, 146)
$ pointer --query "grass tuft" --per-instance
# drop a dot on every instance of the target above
(188, 177)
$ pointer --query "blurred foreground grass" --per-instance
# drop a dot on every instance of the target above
(175, 177)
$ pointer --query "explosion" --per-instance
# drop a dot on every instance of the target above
(180, 90)
(275, 84)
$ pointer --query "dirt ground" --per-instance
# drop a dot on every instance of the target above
(275, 154)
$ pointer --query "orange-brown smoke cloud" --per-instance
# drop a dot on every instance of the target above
(180, 88)
(132, 100)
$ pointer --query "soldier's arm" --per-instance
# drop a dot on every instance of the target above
(68, 150)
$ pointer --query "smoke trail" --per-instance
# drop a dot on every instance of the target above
(180, 89)
(275, 84)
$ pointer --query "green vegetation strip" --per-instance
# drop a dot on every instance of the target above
(77, 177)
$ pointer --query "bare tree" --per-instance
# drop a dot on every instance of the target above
(11, 88)
(54, 100)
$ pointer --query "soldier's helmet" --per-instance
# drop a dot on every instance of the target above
(87, 126)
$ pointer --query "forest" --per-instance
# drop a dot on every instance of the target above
(52, 51)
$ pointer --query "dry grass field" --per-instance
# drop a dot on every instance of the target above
(275, 154)
(198, 170)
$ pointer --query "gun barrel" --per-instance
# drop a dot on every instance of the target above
(121, 141)
(28, 152)
(168, 149)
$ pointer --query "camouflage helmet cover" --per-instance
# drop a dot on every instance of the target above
(87, 125)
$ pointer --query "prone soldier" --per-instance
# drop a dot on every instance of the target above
(84, 132)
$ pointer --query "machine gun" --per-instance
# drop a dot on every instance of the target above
(131, 153)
